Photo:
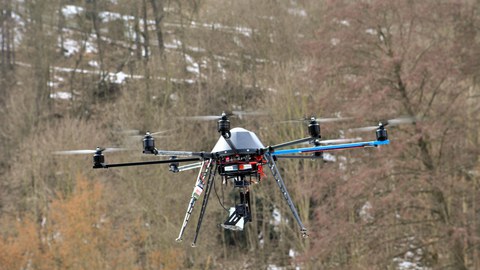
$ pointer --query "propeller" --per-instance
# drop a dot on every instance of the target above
(136, 132)
(314, 123)
(139, 135)
(343, 140)
(160, 132)
(203, 117)
(239, 114)
(333, 141)
(89, 151)
(390, 122)
(319, 120)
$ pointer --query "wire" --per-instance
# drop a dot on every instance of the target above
(218, 197)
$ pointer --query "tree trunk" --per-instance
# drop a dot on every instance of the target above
(158, 13)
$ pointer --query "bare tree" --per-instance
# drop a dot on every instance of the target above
(41, 49)
(159, 14)
(145, 33)
(8, 36)
(389, 59)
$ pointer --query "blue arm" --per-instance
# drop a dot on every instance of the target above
(329, 147)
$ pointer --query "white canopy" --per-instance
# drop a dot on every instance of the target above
(241, 138)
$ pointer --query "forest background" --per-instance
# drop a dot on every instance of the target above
(78, 74)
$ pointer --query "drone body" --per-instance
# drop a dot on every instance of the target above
(242, 139)
(240, 158)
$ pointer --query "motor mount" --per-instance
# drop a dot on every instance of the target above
(98, 158)
(381, 133)
(314, 128)
(316, 142)
(223, 126)
(149, 144)
(173, 167)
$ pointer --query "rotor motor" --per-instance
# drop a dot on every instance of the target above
(314, 128)
(148, 144)
(381, 133)
(98, 158)
(223, 126)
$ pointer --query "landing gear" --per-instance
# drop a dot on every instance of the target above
(278, 178)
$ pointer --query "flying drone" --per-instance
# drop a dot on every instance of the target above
(240, 157)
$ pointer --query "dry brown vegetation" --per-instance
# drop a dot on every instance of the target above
(411, 205)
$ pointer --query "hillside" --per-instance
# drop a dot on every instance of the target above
(81, 74)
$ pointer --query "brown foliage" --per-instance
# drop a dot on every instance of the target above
(78, 233)
(20, 246)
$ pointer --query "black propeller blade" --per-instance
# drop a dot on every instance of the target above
(343, 140)
(319, 120)
(237, 113)
(390, 122)
(89, 151)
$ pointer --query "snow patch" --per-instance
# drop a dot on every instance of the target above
(71, 47)
(297, 12)
(371, 31)
(292, 253)
(93, 63)
(70, 11)
(107, 16)
(329, 157)
(118, 77)
(18, 27)
(276, 217)
(365, 212)
(175, 44)
(345, 22)
(334, 41)
(61, 95)
(174, 97)
(403, 264)
(192, 66)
